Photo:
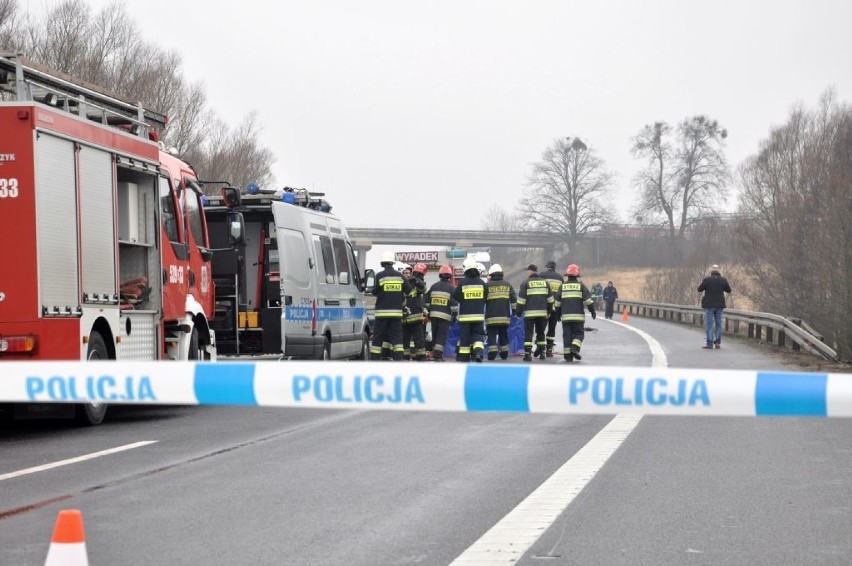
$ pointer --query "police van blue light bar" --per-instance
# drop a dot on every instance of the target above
(422, 387)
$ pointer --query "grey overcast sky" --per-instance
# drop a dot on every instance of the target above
(425, 113)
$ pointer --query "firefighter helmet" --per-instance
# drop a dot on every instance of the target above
(387, 257)
(573, 270)
(495, 268)
(469, 263)
(402, 266)
(481, 269)
(445, 270)
(420, 268)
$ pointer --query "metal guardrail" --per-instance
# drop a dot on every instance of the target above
(772, 328)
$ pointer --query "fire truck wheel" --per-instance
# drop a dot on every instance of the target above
(89, 414)
(364, 354)
(194, 351)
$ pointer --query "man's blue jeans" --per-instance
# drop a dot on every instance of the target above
(713, 317)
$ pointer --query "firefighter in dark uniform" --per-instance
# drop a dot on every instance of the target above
(471, 294)
(390, 291)
(443, 310)
(413, 326)
(535, 301)
(501, 301)
(554, 281)
(573, 298)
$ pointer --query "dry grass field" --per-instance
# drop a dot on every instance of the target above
(631, 283)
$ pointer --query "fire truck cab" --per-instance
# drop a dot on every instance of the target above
(105, 252)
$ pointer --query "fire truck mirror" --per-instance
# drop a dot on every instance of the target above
(231, 196)
(236, 227)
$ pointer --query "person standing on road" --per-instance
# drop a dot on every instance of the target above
(498, 312)
(554, 281)
(714, 287)
(610, 295)
(443, 310)
(573, 299)
(413, 328)
(390, 291)
(471, 294)
(535, 303)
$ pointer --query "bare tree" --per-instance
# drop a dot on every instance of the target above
(106, 48)
(235, 156)
(497, 219)
(655, 183)
(685, 179)
(9, 26)
(798, 193)
(567, 191)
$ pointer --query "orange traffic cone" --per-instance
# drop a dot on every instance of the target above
(624, 316)
(68, 545)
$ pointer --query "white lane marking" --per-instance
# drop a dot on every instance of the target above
(83, 458)
(512, 536)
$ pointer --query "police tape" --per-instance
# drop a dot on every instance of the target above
(545, 388)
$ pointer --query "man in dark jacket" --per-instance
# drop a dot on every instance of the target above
(610, 295)
(713, 302)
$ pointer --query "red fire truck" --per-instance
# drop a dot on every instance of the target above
(105, 251)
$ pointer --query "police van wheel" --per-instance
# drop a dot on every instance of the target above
(326, 349)
(89, 414)
(364, 354)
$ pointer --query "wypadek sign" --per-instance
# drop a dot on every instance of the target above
(412, 257)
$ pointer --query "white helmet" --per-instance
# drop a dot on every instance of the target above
(469, 263)
(400, 266)
(388, 257)
(496, 268)
(481, 269)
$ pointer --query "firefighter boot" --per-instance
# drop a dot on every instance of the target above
(492, 355)
(504, 355)
(542, 354)
(549, 351)
(438, 357)
(576, 352)
(569, 357)
(527, 355)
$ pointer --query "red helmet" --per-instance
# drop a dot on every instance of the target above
(573, 270)
(420, 268)
(445, 270)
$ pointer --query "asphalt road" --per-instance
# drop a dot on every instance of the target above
(226, 485)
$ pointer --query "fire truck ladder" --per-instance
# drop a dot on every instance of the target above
(26, 81)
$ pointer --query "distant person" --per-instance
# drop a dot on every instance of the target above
(535, 303)
(498, 312)
(597, 293)
(554, 281)
(443, 310)
(714, 287)
(610, 295)
(574, 298)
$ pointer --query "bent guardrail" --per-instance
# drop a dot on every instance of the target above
(772, 328)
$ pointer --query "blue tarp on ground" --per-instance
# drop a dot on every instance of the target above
(516, 338)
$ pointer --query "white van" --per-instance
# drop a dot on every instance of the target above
(293, 263)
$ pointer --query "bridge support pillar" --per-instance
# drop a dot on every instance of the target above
(361, 248)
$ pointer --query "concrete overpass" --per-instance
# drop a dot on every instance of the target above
(363, 239)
